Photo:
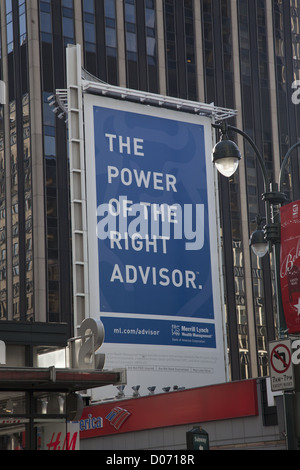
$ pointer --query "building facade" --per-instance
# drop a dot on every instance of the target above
(245, 418)
(239, 54)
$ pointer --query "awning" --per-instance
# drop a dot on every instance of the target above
(57, 380)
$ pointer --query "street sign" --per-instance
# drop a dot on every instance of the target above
(197, 439)
(281, 366)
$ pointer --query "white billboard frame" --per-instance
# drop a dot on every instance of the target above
(218, 371)
(82, 96)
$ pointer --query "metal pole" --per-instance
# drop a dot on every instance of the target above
(284, 162)
(30, 434)
(273, 198)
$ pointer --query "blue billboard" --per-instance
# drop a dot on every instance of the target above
(152, 242)
(152, 216)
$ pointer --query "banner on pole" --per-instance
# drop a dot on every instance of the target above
(290, 265)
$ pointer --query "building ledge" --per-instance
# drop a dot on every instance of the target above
(57, 380)
(34, 333)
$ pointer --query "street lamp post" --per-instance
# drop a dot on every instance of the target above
(226, 157)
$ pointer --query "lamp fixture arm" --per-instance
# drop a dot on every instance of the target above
(258, 154)
(284, 162)
(224, 127)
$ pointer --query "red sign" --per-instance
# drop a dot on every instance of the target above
(281, 358)
(216, 402)
(290, 265)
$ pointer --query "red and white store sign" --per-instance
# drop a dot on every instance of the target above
(290, 265)
(225, 401)
(59, 437)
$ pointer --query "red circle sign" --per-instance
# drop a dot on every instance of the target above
(280, 358)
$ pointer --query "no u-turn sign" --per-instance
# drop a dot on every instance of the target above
(281, 366)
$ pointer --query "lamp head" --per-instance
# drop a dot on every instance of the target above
(259, 243)
(226, 156)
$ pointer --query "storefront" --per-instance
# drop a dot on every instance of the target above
(38, 405)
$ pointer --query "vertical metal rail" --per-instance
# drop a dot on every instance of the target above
(77, 185)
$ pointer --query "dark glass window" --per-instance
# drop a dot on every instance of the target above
(131, 44)
(180, 49)
(89, 32)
